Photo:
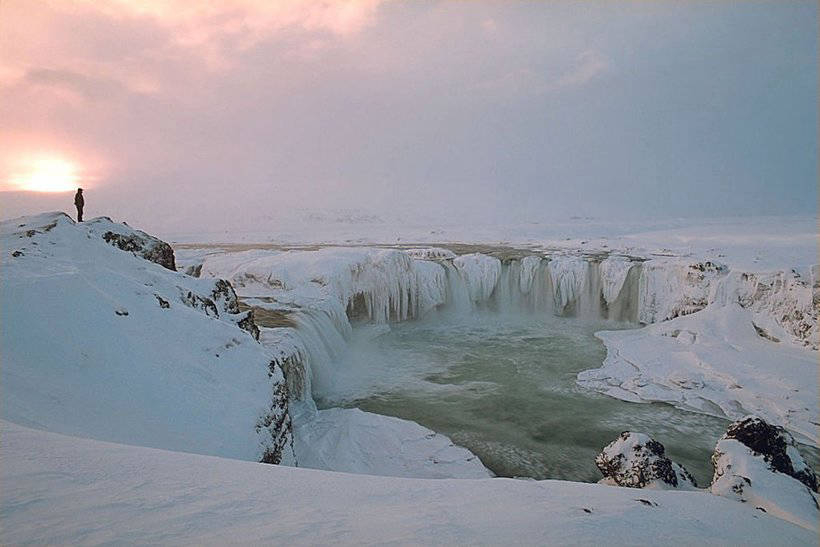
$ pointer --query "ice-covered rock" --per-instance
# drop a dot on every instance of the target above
(781, 300)
(379, 284)
(759, 464)
(221, 301)
(673, 287)
(775, 445)
(635, 460)
(275, 426)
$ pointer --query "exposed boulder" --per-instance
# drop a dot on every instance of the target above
(134, 241)
(759, 463)
(147, 247)
(635, 460)
(775, 445)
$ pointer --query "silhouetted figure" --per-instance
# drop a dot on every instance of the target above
(79, 202)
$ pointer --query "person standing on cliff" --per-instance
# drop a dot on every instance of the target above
(79, 201)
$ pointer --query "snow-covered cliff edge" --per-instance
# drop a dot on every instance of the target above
(101, 339)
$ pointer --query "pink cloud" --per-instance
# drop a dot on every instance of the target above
(197, 23)
(73, 71)
(132, 41)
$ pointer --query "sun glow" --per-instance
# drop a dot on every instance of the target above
(46, 174)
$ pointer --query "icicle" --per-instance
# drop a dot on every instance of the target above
(568, 275)
(529, 269)
(480, 273)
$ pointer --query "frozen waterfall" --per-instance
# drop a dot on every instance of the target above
(324, 291)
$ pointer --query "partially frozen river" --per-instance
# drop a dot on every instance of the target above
(504, 387)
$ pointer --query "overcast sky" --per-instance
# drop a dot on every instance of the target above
(484, 109)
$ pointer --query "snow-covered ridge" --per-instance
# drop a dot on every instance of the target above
(101, 339)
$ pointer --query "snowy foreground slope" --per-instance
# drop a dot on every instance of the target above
(99, 342)
(59, 489)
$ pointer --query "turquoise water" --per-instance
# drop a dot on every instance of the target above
(504, 387)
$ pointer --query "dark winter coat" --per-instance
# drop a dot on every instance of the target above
(79, 201)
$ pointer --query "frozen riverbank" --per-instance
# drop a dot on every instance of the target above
(713, 362)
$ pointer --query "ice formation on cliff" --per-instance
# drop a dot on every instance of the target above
(323, 290)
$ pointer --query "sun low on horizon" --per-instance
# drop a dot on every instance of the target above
(45, 173)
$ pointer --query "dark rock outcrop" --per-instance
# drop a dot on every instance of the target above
(636, 460)
(199, 302)
(225, 296)
(277, 421)
(248, 323)
(774, 445)
(759, 464)
(222, 302)
(141, 244)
